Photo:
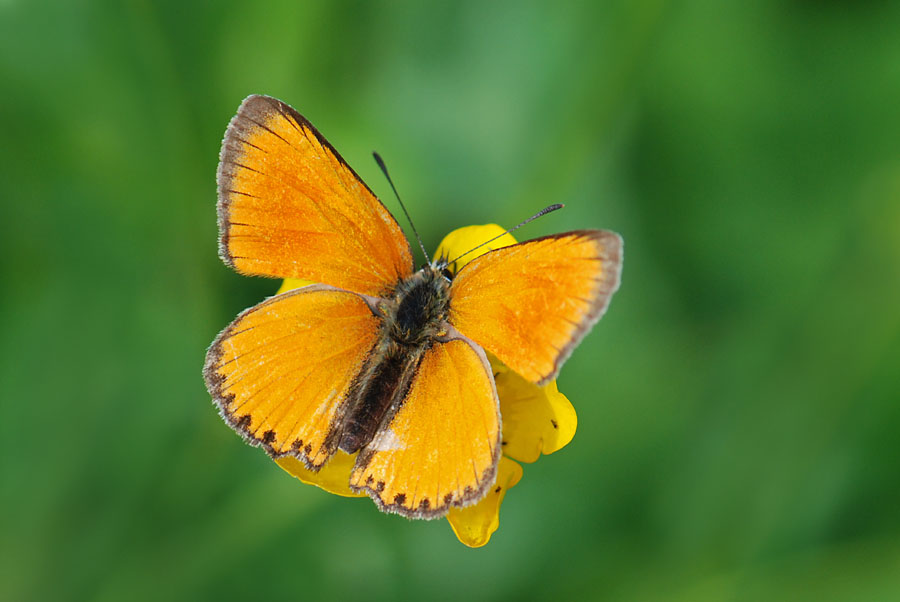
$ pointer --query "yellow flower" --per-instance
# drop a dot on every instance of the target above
(536, 420)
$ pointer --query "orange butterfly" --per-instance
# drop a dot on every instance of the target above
(378, 358)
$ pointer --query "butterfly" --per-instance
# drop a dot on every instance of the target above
(379, 359)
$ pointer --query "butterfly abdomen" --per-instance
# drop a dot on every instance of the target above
(411, 319)
(384, 378)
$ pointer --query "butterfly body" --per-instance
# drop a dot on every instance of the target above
(412, 318)
(377, 359)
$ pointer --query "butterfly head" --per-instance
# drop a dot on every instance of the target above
(442, 266)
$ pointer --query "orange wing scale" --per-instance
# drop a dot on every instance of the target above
(290, 207)
(531, 303)
(441, 448)
(279, 373)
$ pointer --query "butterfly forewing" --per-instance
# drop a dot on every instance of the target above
(531, 303)
(442, 446)
(290, 207)
(281, 371)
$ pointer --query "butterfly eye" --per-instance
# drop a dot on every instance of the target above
(446, 273)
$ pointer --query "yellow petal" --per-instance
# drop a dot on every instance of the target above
(334, 477)
(290, 284)
(475, 524)
(465, 239)
(536, 420)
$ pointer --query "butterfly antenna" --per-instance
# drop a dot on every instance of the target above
(540, 213)
(384, 169)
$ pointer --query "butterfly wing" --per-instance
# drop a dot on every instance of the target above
(442, 445)
(281, 371)
(531, 303)
(290, 206)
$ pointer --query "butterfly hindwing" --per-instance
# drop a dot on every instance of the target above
(281, 371)
(531, 303)
(290, 207)
(441, 447)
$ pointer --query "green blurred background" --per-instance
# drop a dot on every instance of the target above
(738, 405)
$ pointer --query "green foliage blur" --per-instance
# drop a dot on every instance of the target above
(739, 424)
